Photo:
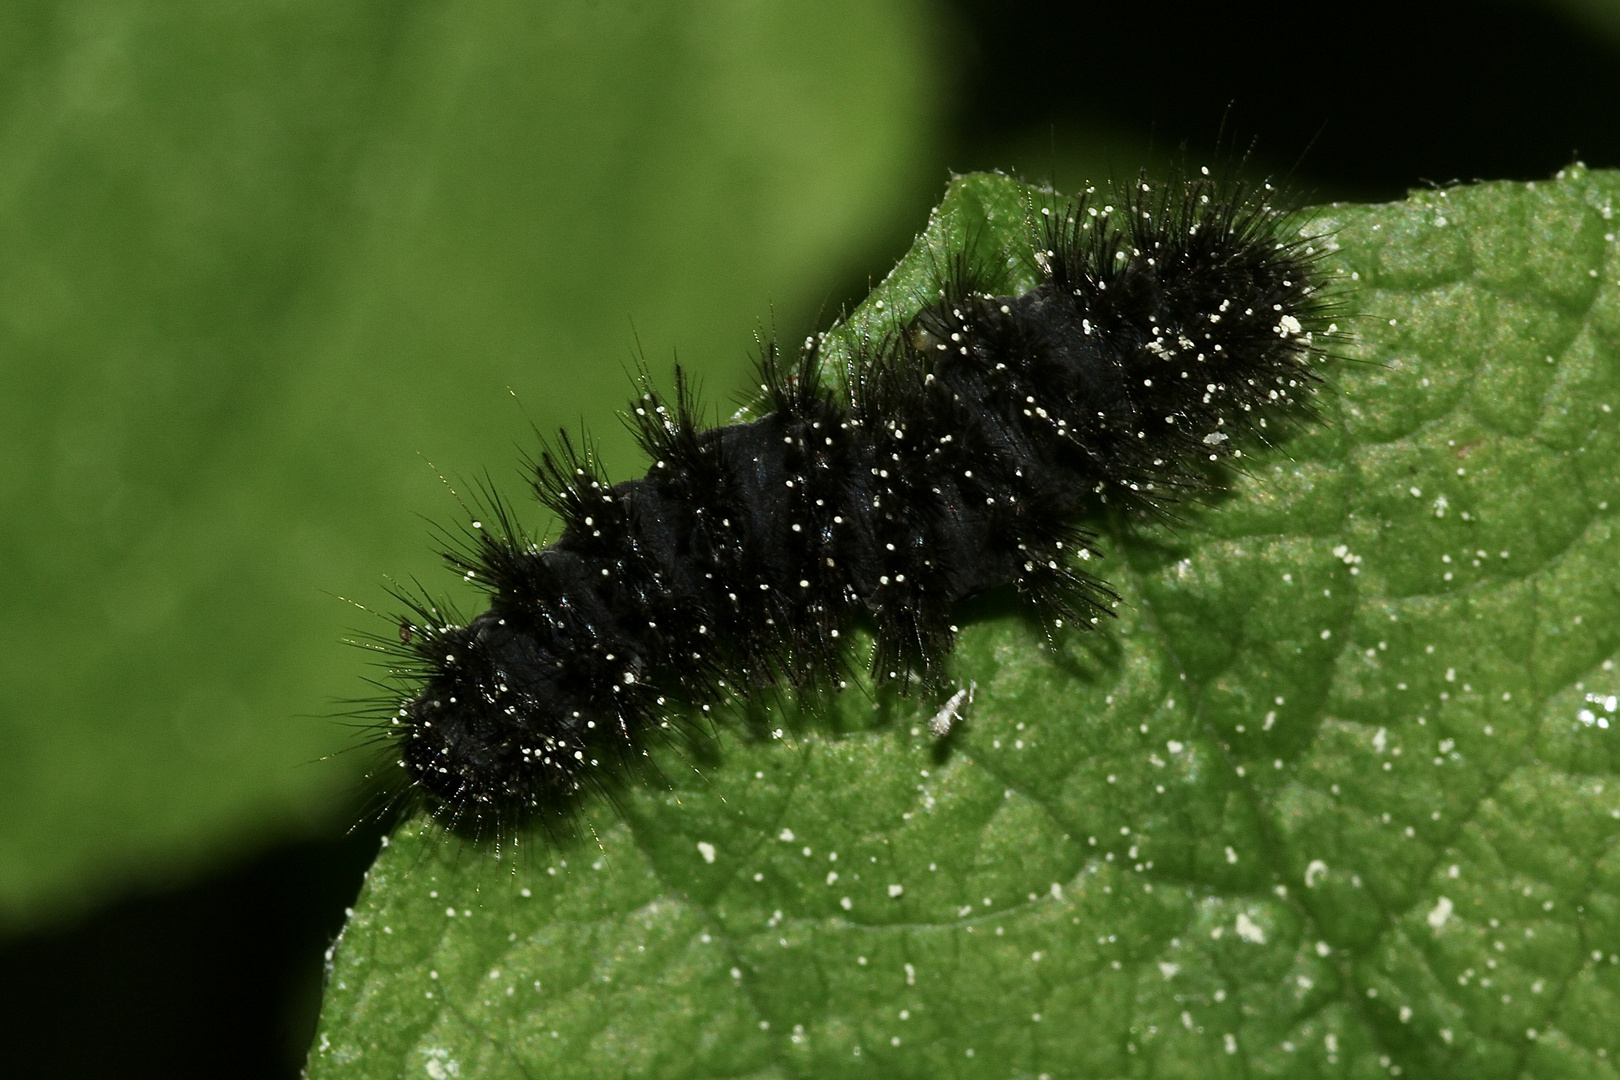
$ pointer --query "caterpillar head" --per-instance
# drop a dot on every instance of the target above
(493, 732)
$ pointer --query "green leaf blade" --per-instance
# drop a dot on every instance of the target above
(1334, 794)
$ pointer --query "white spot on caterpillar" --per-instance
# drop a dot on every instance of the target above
(706, 850)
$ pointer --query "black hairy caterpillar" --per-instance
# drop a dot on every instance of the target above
(957, 456)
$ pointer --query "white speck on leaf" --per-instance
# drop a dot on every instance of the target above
(1441, 912)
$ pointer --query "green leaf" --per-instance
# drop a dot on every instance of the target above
(1334, 796)
(261, 260)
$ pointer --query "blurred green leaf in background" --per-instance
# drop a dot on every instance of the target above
(260, 260)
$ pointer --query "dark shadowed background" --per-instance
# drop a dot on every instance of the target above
(260, 263)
